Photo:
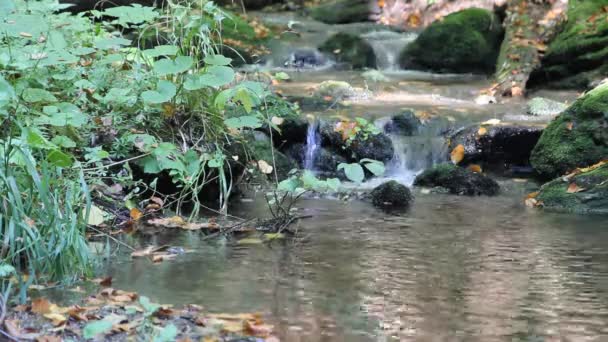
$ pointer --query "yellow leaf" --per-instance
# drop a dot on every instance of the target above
(41, 306)
(475, 168)
(491, 122)
(57, 319)
(457, 154)
(136, 214)
(265, 167)
(482, 131)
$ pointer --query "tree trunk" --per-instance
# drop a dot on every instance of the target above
(529, 25)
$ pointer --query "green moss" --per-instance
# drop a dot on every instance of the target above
(457, 180)
(261, 150)
(465, 41)
(342, 12)
(576, 138)
(592, 196)
(352, 50)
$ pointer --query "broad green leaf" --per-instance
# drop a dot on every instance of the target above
(7, 93)
(168, 66)
(33, 95)
(59, 158)
(214, 76)
(92, 329)
(63, 141)
(6, 270)
(95, 154)
(164, 93)
(217, 60)
(354, 172)
(147, 305)
(167, 334)
(35, 139)
(111, 43)
(82, 51)
(333, 183)
(242, 95)
(288, 185)
(162, 51)
(134, 14)
(247, 121)
(96, 216)
(143, 142)
(119, 96)
(63, 114)
(281, 76)
(374, 166)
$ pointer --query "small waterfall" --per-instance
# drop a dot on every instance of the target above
(387, 46)
(313, 142)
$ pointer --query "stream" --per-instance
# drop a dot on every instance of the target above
(450, 269)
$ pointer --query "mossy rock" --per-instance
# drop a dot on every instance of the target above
(351, 49)
(576, 138)
(391, 194)
(457, 180)
(465, 41)
(343, 11)
(334, 89)
(540, 106)
(582, 193)
(261, 150)
(579, 53)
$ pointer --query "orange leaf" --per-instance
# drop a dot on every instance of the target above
(41, 306)
(457, 154)
(136, 214)
(482, 131)
(573, 188)
(569, 126)
(475, 168)
(516, 91)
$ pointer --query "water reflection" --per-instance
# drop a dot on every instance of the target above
(452, 269)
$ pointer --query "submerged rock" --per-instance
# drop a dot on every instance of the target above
(344, 11)
(583, 191)
(334, 89)
(457, 180)
(306, 58)
(540, 106)
(350, 49)
(465, 41)
(391, 194)
(503, 143)
(576, 138)
(578, 55)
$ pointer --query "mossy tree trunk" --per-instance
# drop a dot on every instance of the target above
(529, 25)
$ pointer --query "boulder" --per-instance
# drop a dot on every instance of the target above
(391, 194)
(465, 41)
(405, 123)
(376, 146)
(457, 180)
(350, 49)
(345, 11)
(540, 106)
(578, 137)
(325, 161)
(334, 89)
(261, 150)
(504, 143)
(291, 131)
(584, 191)
(306, 58)
(578, 55)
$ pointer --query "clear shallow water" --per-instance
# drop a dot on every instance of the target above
(451, 269)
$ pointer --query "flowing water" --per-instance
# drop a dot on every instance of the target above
(449, 269)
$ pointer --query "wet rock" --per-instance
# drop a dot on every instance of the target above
(292, 131)
(457, 180)
(345, 11)
(334, 89)
(261, 150)
(87, 5)
(373, 146)
(577, 56)
(306, 58)
(404, 123)
(465, 41)
(577, 137)
(540, 106)
(581, 192)
(325, 161)
(391, 194)
(503, 143)
(350, 49)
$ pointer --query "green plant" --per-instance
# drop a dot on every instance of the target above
(355, 172)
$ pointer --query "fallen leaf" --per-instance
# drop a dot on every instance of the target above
(13, 328)
(136, 214)
(457, 154)
(573, 188)
(48, 338)
(277, 120)
(157, 200)
(56, 319)
(569, 126)
(264, 167)
(516, 91)
(491, 122)
(107, 281)
(475, 168)
(41, 306)
(162, 257)
(179, 222)
(482, 131)
(257, 328)
(25, 34)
